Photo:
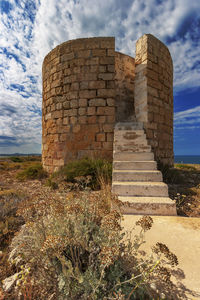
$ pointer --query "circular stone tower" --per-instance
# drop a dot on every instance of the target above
(78, 101)
(88, 87)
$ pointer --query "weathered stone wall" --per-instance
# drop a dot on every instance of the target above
(154, 95)
(78, 101)
(88, 87)
(124, 82)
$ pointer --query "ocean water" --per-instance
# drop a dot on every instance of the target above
(187, 159)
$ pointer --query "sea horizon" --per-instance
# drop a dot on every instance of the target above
(185, 159)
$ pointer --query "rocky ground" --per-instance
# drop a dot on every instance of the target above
(183, 182)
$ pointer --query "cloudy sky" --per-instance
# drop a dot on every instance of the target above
(29, 29)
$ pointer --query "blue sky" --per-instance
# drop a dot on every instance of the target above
(29, 29)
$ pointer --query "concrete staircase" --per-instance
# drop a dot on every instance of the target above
(136, 180)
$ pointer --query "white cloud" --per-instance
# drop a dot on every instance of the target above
(28, 40)
(189, 118)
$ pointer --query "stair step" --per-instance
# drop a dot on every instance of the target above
(148, 189)
(134, 165)
(137, 175)
(133, 156)
(136, 180)
(131, 148)
(129, 126)
(163, 206)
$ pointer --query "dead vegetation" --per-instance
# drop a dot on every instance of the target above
(183, 182)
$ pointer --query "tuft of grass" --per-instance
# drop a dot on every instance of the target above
(34, 171)
(95, 168)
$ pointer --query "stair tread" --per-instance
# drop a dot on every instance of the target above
(129, 152)
(139, 183)
(149, 199)
(136, 171)
(133, 161)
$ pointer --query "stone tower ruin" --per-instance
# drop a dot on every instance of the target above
(88, 88)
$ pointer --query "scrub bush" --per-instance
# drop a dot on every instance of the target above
(74, 248)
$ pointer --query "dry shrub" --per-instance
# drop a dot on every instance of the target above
(74, 248)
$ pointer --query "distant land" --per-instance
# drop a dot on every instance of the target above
(21, 154)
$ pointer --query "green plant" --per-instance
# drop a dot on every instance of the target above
(95, 168)
(75, 249)
(34, 171)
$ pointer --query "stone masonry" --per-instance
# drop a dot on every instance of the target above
(88, 87)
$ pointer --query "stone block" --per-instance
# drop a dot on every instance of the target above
(108, 127)
(96, 145)
(108, 43)
(107, 145)
(83, 102)
(83, 54)
(74, 86)
(71, 112)
(99, 52)
(105, 93)
(101, 119)
(82, 111)
(109, 137)
(73, 120)
(87, 94)
(76, 128)
(101, 111)
(109, 60)
(106, 76)
(66, 88)
(101, 137)
(63, 137)
(82, 120)
(72, 95)
(97, 84)
(97, 102)
(102, 69)
(110, 84)
(110, 102)
(111, 52)
(91, 111)
(92, 119)
(66, 104)
(110, 119)
(109, 111)
(67, 56)
(92, 61)
(57, 114)
(65, 121)
(84, 85)
(74, 103)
